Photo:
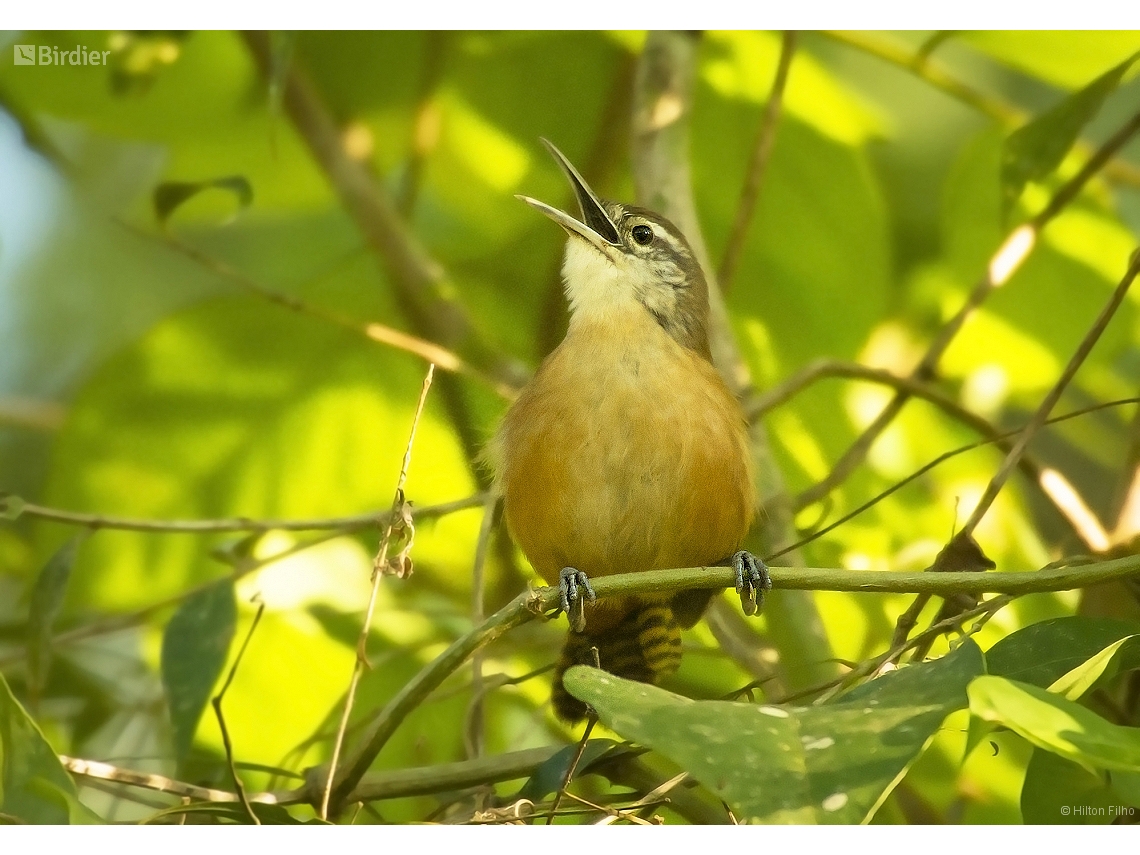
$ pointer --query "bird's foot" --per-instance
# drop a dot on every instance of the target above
(574, 589)
(752, 580)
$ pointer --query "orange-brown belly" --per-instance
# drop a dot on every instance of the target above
(624, 461)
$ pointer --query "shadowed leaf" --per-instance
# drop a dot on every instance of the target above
(1053, 785)
(1037, 148)
(833, 763)
(169, 195)
(46, 601)
(548, 777)
(194, 649)
(1044, 652)
(34, 787)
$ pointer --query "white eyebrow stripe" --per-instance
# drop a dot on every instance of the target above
(663, 233)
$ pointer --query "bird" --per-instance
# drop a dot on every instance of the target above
(626, 451)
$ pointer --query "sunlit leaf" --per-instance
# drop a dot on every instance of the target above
(1067, 58)
(1055, 724)
(831, 763)
(1120, 655)
(194, 650)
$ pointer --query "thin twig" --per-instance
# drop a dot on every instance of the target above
(97, 770)
(1095, 164)
(947, 624)
(438, 778)
(573, 767)
(1001, 440)
(909, 618)
(120, 793)
(428, 351)
(1029, 431)
(611, 813)
(869, 666)
(1003, 264)
(347, 524)
(242, 567)
(379, 570)
(216, 701)
(757, 165)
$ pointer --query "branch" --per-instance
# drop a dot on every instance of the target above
(531, 604)
(348, 524)
(757, 165)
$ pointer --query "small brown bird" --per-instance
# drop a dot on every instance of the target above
(627, 452)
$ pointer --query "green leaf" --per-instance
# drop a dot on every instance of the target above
(1044, 652)
(1064, 58)
(194, 650)
(1120, 655)
(34, 787)
(833, 763)
(1058, 791)
(46, 601)
(169, 195)
(1055, 724)
(1037, 148)
(548, 777)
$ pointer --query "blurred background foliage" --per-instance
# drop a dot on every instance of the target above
(138, 380)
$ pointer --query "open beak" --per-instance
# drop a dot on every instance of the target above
(596, 227)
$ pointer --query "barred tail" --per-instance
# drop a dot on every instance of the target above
(645, 646)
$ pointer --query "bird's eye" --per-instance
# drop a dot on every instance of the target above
(642, 234)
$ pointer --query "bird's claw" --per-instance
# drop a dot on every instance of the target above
(752, 580)
(574, 589)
